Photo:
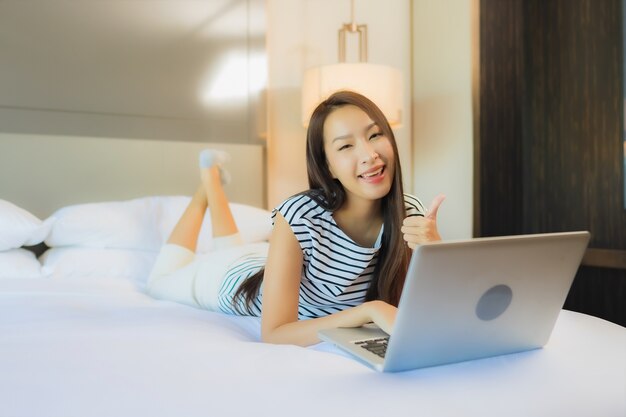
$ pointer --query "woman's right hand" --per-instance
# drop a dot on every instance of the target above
(417, 230)
(382, 314)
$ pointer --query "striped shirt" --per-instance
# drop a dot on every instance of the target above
(336, 271)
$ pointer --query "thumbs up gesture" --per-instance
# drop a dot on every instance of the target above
(418, 230)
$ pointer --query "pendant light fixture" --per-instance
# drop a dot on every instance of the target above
(380, 83)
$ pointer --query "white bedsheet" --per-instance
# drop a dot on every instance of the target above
(101, 348)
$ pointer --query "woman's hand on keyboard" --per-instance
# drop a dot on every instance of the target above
(382, 314)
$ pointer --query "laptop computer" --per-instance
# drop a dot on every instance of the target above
(472, 299)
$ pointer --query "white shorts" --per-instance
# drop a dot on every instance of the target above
(182, 276)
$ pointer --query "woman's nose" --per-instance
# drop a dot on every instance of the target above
(368, 153)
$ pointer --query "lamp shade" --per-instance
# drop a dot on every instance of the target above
(379, 83)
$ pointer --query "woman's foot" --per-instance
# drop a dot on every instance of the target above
(210, 158)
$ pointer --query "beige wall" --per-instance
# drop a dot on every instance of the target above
(303, 34)
(442, 111)
(132, 69)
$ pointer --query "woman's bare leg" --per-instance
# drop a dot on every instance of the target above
(210, 194)
(187, 229)
(222, 221)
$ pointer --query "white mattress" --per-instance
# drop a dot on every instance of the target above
(102, 348)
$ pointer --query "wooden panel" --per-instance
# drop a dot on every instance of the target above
(500, 140)
(573, 167)
(599, 292)
(572, 140)
(561, 134)
(606, 258)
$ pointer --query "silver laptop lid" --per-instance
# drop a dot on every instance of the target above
(482, 297)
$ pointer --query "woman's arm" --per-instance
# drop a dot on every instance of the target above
(281, 290)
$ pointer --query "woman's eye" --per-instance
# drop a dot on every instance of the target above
(376, 135)
(344, 147)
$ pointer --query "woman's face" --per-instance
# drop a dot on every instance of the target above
(358, 154)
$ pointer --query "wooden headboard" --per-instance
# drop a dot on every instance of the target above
(44, 173)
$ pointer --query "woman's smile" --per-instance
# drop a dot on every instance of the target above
(374, 175)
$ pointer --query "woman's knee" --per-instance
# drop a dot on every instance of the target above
(225, 242)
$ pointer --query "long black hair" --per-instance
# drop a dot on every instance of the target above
(393, 255)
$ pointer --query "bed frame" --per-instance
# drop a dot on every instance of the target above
(44, 173)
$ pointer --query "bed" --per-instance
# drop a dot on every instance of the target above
(79, 336)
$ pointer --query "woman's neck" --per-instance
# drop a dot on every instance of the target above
(361, 220)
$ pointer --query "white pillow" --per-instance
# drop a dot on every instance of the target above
(19, 263)
(89, 263)
(19, 228)
(119, 224)
(144, 224)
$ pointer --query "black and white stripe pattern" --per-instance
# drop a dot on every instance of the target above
(336, 271)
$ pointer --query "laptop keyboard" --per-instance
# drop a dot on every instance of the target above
(376, 346)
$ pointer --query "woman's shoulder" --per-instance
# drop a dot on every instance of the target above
(413, 206)
(304, 204)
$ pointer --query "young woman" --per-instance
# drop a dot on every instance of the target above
(338, 252)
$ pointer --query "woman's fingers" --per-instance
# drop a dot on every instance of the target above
(420, 226)
(417, 230)
(416, 223)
